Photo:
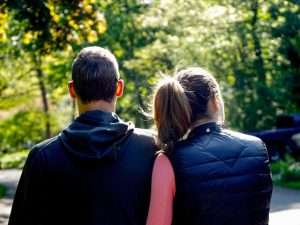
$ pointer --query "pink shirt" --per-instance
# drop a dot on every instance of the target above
(162, 192)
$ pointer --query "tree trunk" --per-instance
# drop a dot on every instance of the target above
(259, 62)
(43, 92)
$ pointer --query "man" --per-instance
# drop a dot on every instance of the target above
(97, 170)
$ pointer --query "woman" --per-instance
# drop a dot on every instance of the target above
(222, 177)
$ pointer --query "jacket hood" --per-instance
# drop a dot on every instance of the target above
(95, 135)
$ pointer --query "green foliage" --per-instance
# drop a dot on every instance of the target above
(46, 26)
(252, 47)
(291, 184)
(233, 39)
(13, 160)
(22, 131)
(2, 191)
(124, 37)
(285, 15)
(292, 173)
(286, 173)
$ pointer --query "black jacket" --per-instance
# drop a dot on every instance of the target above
(222, 178)
(95, 172)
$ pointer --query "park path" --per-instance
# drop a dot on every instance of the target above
(285, 205)
(9, 179)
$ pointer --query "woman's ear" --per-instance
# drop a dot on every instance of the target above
(71, 89)
(120, 88)
(219, 104)
(215, 104)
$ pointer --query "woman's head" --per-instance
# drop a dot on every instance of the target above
(180, 102)
(203, 94)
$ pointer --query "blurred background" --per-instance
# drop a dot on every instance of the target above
(252, 47)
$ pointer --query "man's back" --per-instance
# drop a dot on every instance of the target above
(222, 178)
(97, 171)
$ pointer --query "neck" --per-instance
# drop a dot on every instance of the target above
(96, 105)
(203, 121)
(196, 124)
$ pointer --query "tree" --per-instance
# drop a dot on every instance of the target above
(44, 27)
(124, 37)
(285, 15)
(233, 39)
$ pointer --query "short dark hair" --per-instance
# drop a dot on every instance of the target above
(95, 74)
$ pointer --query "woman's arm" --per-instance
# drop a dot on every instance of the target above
(162, 192)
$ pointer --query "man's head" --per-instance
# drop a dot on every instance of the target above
(95, 77)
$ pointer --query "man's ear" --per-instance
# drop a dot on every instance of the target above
(120, 88)
(71, 89)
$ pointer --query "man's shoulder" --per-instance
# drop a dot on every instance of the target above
(144, 136)
(37, 155)
(48, 143)
(46, 147)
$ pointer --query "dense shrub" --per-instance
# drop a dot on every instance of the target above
(292, 173)
(2, 191)
(286, 173)
(21, 131)
(13, 160)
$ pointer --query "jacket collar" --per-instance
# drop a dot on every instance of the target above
(96, 135)
(206, 129)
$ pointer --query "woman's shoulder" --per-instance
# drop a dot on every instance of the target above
(163, 161)
(246, 139)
